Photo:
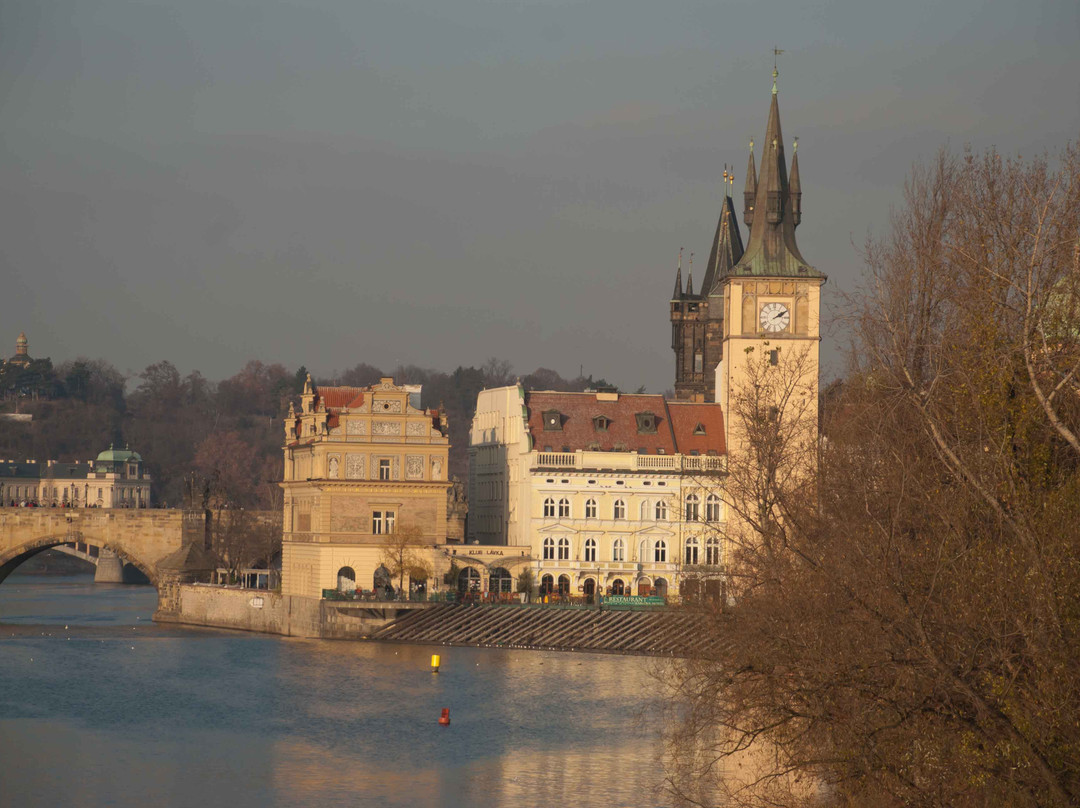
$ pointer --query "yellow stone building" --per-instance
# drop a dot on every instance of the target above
(361, 464)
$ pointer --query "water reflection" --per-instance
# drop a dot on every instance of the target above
(135, 713)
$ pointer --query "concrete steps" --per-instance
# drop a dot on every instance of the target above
(653, 633)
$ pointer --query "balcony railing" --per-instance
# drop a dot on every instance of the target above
(629, 461)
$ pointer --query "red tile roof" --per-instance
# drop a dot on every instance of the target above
(686, 417)
(674, 426)
(334, 398)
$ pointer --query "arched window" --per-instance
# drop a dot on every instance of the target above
(661, 511)
(590, 549)
(645, 510)
(660, 587)
(692, 548)
(564, 508)
(547, 584)
(712, 551)
(346, 579)
(693, 512)
(549, 507)
(618, 587)
(590, 509)
(500, 581)
(549, 548)
(564, 549)
(660, 550)
(468, 580)
(564, 585)
(642, 551)
(712, 508)
(618, 510)
(618, 550)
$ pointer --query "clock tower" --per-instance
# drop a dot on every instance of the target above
(772, 296)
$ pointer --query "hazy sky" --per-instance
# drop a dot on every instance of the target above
(327, 182)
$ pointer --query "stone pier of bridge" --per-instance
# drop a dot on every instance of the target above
(168, 546)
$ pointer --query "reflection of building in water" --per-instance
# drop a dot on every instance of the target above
(116, 479)
(361, 464)
(527, 728)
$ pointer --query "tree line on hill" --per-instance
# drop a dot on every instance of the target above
(214, 441)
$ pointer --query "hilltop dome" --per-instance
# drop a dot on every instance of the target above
(21, 356)
(112, 455)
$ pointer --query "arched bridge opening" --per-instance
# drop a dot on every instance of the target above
(12, 557)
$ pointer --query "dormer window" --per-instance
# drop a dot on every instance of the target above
(601, 423)
(699, 429)
(646, 422)
(552, 421)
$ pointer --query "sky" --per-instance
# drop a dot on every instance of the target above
(437, 182)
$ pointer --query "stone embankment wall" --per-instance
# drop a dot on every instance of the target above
(267, 612)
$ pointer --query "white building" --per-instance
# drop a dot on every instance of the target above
(117, 479)
(620, 491)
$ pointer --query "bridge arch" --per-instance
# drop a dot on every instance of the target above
(145, 538)
(12, 557)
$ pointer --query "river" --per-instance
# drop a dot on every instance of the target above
(99, 706)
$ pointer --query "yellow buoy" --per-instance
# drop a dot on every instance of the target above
(435, 660)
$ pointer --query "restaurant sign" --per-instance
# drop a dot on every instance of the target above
(634, 600)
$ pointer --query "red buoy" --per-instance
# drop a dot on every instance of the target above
(444, 719)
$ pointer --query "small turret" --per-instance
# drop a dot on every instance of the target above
(795, 187)
(750, 190)
(677, 295)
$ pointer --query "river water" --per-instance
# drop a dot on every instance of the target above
(101, 707)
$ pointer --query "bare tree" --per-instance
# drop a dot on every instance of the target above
(904, 628)
(402, 555)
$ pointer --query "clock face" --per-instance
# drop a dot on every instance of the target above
(774, 317)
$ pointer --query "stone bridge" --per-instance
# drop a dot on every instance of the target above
(167, 546)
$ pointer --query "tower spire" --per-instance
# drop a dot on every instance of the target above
(750, 189)
(795, 186)
(678, 278)
(727, 245)
(771, 250)
(690, 278)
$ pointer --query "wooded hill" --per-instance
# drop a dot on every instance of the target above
(192, 431)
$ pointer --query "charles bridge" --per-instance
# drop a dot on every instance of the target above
(167, 546)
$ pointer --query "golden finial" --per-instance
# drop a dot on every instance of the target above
(776, 52)
(680, 257)
(795, 146)
(751, 144)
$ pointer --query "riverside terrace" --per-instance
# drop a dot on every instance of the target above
(618, 624)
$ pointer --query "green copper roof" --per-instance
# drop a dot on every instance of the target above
(118, 455)
(771, 250)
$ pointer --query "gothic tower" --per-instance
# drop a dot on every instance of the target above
(771, 295)
(697, 319)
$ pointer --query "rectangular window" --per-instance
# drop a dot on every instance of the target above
(382, 522)
(384, 468)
